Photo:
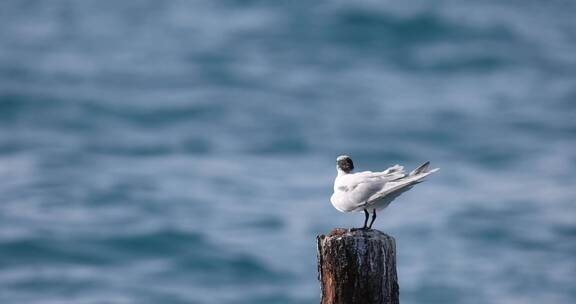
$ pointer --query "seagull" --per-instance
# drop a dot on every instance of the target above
(372, 191)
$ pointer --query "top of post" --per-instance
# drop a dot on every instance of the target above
(342, 233)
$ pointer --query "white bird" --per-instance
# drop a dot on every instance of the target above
(372, 191)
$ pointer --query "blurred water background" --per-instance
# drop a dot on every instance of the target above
(184, 151)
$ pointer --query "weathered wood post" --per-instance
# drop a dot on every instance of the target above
(357, 267)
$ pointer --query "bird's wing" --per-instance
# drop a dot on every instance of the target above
(393, 189)
(363, 191)
(356, 189)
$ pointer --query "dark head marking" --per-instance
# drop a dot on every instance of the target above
(344, 163)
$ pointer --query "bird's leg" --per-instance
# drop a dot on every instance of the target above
(373, 218)
(367, 215)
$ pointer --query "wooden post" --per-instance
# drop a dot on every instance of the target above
(357, 267)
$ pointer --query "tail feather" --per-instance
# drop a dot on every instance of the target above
(423, 168)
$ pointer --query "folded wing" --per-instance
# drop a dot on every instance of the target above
(395, 188)
(356, 190)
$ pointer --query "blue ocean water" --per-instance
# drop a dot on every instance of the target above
(184, 151)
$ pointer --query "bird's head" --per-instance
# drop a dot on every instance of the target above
(344, 163)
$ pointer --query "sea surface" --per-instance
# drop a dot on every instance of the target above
(184, 151)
